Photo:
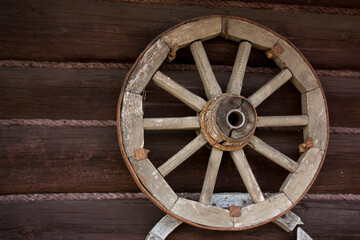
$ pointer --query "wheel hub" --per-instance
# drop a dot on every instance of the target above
(228, 121)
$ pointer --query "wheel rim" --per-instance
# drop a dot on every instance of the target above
(223, 123)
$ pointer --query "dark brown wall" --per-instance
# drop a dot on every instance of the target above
(45, 159)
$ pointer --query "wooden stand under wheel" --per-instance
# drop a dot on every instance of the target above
(226, 121)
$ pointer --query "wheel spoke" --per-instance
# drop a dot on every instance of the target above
(271, 153)
(182, 155)
(283, 121)
(210, 176)
(247, 175)
(211, 86)
(237, 75)
(193, 101)
(270, 87)
(181, 123)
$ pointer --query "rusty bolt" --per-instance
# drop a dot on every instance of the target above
(141, 153)
(172, 54)
(234, 211)
(275, 51)
(304, 147)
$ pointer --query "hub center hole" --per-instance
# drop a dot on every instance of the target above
(235, 118)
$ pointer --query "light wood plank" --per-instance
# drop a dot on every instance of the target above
(211, 86)
(270, 87)
(203, 214)
(313, 104)
(303, 77)
(282, 121)
(254, 214)
(288, 221)
(154, 182)
(182, 155)
(147, 66)
(302, 235)
(239, 30)
(271, 153)
(132, 123)
(247, 175)
(181, 123)
(211, 175)
(297, 182)
(193, 101)
(202, 29)
(238, 72)
(163, 228)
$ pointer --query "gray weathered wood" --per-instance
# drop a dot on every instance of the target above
(193, 101)
(282, 121)
(147, 66)
(211, 175)
(271, 153)
(288, 221)
(237, 76)
(211, 86)
(302, 235)
(182, 155)
(203, 214)
(180, 123)
(154, 182)
(303, 77)
(247, 175)
(297, 182)
(163, 228)
(270, 87)
(132, 123)
(202, 29)
(239, 30)
(254, 214)
(313, 104)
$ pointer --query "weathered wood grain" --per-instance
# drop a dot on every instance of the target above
(270, 87)
(237, 75)
(115, 219)
(29, 93)
(247, 175)
(115, 31)
(282, 121)
(131, 121)
(184, 123)
(271, 153)
(211, 86)
(203, 213)
(66, 159)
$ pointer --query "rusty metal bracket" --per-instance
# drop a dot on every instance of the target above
(304, 147)
(172, 54)
(275, 51)
(141, 153)
(234, 211)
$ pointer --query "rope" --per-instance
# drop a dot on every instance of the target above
(112, 123)
(254, 5)
(166, 67)
(28, 198)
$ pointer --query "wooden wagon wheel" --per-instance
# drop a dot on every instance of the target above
(226, 121)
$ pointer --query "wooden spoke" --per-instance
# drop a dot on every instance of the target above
(193, 101)
(211, 86)
(283, 121)
(247, 175)
(270, 87)
(210, 176)
(237, 75)
(181, 123)
(274, 155)
(182, 155)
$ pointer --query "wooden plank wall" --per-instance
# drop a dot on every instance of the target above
(68, 59)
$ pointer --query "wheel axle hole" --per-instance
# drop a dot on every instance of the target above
(235, 119)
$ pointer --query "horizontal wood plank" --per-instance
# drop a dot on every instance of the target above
(118, 31)
(93, 94)
(133, 219)
(67, 159)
